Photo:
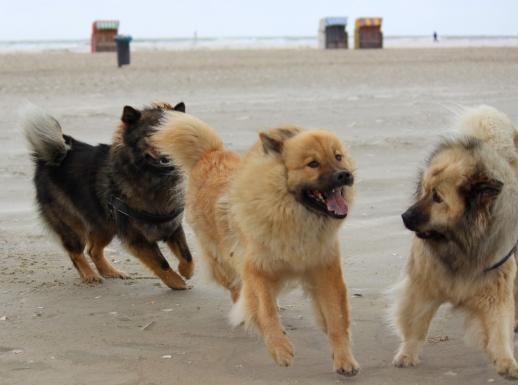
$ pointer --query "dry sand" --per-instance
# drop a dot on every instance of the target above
(390, 106)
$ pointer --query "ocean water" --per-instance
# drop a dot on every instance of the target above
(250, 42)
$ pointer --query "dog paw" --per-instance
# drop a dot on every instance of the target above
(507, 368)
(173, 280)
(115, 274)
(186, 269)
(347, 367)
(404, 360)
(92, 278)
(179, 286)
(281, 350)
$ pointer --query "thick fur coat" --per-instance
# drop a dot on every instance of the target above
(268, 218)
(88, 194)
(465, 220)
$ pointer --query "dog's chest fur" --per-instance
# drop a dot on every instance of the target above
(275, 231)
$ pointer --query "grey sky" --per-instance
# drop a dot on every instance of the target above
(61, 19)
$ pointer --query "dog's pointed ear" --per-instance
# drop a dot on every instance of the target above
(273, 140)
(130, 115)
(180, 107)
(270, 143)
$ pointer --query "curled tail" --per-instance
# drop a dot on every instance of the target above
(492, 127)
(44, 136)
(185, 139)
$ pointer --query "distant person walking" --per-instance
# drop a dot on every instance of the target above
(435, 36)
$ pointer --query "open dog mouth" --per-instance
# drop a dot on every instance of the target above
(331, 203)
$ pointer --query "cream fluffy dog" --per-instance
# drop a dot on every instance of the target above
(465, 220)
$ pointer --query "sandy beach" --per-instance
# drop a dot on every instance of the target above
(389, 106)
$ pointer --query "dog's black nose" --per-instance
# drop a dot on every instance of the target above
(343, 178)
(407, 219)
(414, 217)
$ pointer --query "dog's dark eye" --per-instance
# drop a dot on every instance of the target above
(164, 160)
(435, 197)
(338, 157)
(313, 164)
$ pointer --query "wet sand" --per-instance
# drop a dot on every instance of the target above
(389, 106)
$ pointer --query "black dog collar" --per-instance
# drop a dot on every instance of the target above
(502, 261)
(120, 206)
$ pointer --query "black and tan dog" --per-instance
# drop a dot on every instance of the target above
(88, 194)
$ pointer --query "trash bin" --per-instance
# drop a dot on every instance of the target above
(123, 49)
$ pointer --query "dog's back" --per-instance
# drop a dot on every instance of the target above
(76, 183)
(69, 179)
(200, 153)
(67, 171)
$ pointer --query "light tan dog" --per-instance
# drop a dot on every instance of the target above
(269, 218)
(465, 220)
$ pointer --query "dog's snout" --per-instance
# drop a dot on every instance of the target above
(413, 217)
(343, 178)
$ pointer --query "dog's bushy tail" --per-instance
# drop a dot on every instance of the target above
(185, 139)
(44, 136)
(492, 127)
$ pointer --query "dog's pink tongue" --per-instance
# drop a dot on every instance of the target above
(336, 203)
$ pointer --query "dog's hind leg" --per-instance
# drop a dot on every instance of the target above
(327, 289)
(259, 303)
(178, 245)
(152, 257)
(72, 238)
(414, 314)
(75, 246)
(96, 244)
(88, 275)
(224, 276)
(217, 269)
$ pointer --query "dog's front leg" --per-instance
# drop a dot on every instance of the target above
(327, 288)
(414, 313)
(178, 245)
(259, 294)
(497, 324)
(152, 257)
(516, 297)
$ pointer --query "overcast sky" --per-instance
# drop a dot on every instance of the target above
(61, 19)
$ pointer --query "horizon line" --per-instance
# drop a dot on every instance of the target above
(208, 37)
